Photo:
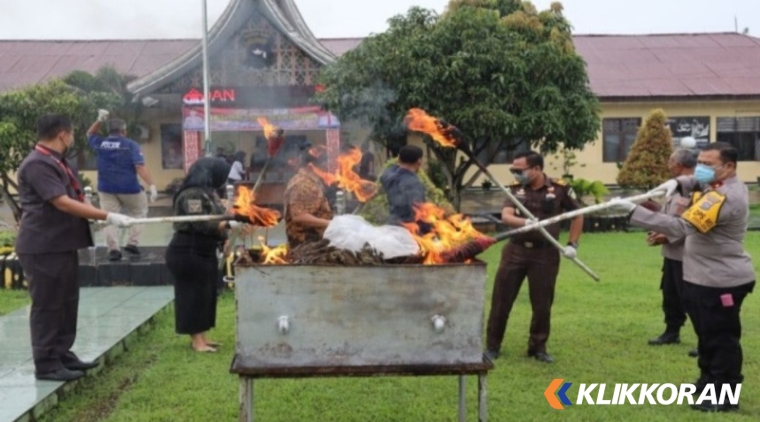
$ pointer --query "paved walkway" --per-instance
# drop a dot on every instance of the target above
(107, 316)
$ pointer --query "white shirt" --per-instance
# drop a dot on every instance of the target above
(236, 172)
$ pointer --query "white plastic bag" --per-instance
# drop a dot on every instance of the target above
(351, 232)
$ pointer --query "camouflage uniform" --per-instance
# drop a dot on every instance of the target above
(531, 255)
(305, 194)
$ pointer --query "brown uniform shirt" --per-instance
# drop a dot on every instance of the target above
(305, 193)
(43, 227)
(552, 198)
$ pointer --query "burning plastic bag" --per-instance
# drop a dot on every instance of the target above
(351, 232)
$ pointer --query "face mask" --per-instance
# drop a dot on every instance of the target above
(704, 174)
(522, 178)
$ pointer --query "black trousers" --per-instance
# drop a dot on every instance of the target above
(719, 330)
(192, 261)
(672, 301)
(541, 266)
(54, 290)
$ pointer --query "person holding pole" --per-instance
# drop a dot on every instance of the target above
(53, 227)
(530, 254)
(718, 273)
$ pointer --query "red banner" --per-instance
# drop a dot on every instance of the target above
(332, 137)
(192, 148)
(240, 120)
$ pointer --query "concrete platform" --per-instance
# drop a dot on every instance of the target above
(109, 318)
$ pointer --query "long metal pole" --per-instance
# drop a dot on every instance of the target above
(573, 214)
(206, 99)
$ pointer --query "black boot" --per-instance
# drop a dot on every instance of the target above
(668, 337)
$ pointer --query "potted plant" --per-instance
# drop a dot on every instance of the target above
(567, 160)
(486, 184)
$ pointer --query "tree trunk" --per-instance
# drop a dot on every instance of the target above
(15, 209)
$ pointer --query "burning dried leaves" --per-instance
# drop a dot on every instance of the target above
(321, 253)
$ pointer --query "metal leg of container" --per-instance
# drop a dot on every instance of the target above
(462, 407)
(482, 408)
(246, 399)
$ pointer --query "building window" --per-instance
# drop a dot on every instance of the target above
(743, 133)
(618, 136)
(695, 127)
(172, 156)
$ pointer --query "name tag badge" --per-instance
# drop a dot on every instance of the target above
(195, 206)
(703, 215)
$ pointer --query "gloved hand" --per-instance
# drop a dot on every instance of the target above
(668, 187)
(529, 221)
(153, 193)
(623, 204)
(103, 115)
(119, 220)
(570, 252)
(235, 225)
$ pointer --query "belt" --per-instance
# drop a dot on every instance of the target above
(535, 244)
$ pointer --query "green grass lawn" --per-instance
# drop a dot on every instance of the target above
(11, 300)
(599, 335)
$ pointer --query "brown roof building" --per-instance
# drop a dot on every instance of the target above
(707, 83)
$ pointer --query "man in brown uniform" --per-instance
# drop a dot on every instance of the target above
(718, 273)
(530, 254)
(53, 227)
(307, 210)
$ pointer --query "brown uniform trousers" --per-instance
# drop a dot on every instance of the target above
(533, 256)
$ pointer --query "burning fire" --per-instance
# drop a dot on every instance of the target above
(345, 176)
(272, 256)
(443, 133)
(446, 234)
(244, 205)
(273, 134)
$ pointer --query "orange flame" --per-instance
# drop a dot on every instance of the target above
(244, 205)
(446, 233)
(269, 129)
(418, 120)
(273, 256)
(273, 134)
(345, 176)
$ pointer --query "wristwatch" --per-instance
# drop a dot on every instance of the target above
(573, 244)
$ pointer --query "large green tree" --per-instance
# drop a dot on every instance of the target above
(19, 111)
(498, 69)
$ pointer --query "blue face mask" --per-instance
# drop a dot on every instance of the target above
(704, 174)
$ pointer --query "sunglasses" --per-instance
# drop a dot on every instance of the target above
(518, 172)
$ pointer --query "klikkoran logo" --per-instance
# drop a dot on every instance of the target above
(662, 394)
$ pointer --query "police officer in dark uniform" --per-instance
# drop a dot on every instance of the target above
(531, 254)
(53, 227)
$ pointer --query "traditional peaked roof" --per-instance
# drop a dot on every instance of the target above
(620, 67)
(283, 14)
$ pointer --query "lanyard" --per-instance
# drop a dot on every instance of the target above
(72, 179)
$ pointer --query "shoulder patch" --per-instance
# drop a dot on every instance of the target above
(194, 206)
(560, 182)
(571, 194)
(703, 214)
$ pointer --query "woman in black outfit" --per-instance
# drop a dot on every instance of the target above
(191, 255)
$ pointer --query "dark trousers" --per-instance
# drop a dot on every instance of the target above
(719, 331)
(54, 290)
(541, 266)
(672, 301)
